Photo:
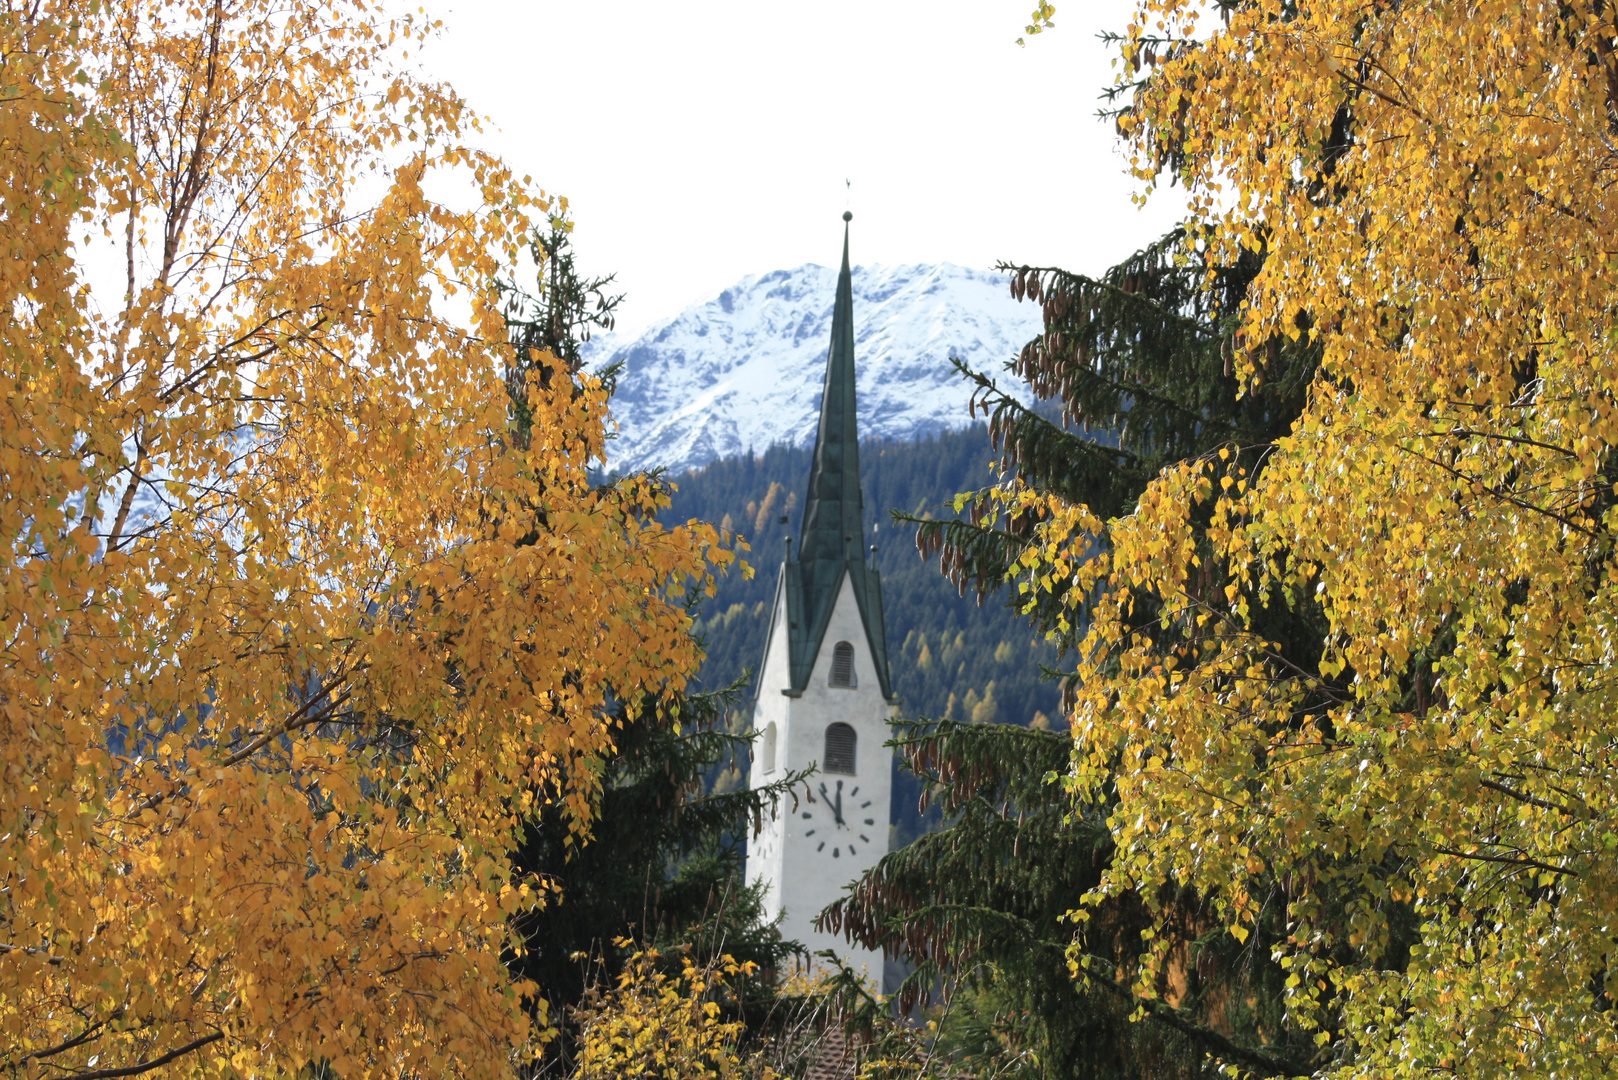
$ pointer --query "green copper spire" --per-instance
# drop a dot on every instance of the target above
(833, 536)
(833, 514)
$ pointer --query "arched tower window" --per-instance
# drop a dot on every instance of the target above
(769, 747)
(842, 664)
(839, 749)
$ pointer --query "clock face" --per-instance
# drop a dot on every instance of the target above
(838, 822)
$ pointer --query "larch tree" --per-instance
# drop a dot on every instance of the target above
(1429, 798)
(294, 629)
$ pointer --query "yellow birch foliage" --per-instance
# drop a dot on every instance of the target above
(290, 635)
(657, 1026)
(1430, 801)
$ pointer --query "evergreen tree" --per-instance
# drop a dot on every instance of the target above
(1141, 363)
(661, 864)
(559, 320)
(661, 867)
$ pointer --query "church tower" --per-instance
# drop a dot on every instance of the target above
(825, 694)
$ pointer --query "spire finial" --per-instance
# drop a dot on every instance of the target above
(848, 215)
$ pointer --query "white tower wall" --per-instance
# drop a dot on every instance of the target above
(805, 858)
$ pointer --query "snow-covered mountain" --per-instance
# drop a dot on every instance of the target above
(744, 369)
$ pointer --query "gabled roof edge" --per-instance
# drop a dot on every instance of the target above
(806, 641)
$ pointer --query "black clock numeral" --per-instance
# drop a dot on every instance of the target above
(853, 793)
(836, 852)
(867, 839)
(811, 832)
(807, 815)
(851, 849)
(864, 804)
(822, 846)
(870, 821)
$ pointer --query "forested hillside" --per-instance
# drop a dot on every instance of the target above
(950, 657)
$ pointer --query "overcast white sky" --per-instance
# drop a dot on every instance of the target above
(703, 140)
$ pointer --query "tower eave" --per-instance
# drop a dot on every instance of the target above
(807, 638)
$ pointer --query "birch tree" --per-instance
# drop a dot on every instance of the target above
(293, 631)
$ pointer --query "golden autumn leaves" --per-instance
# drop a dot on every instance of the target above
(1427, 802)
(654, 1025)
(290, 635)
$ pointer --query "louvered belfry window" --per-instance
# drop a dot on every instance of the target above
(769, 748)
(842, 664)
(839, 749)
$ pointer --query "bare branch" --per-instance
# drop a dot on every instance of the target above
(147, 1066)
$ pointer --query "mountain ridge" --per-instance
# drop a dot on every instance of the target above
(743, 369)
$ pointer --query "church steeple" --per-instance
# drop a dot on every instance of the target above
(833, 513)
(825, 695)
(831, 542)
